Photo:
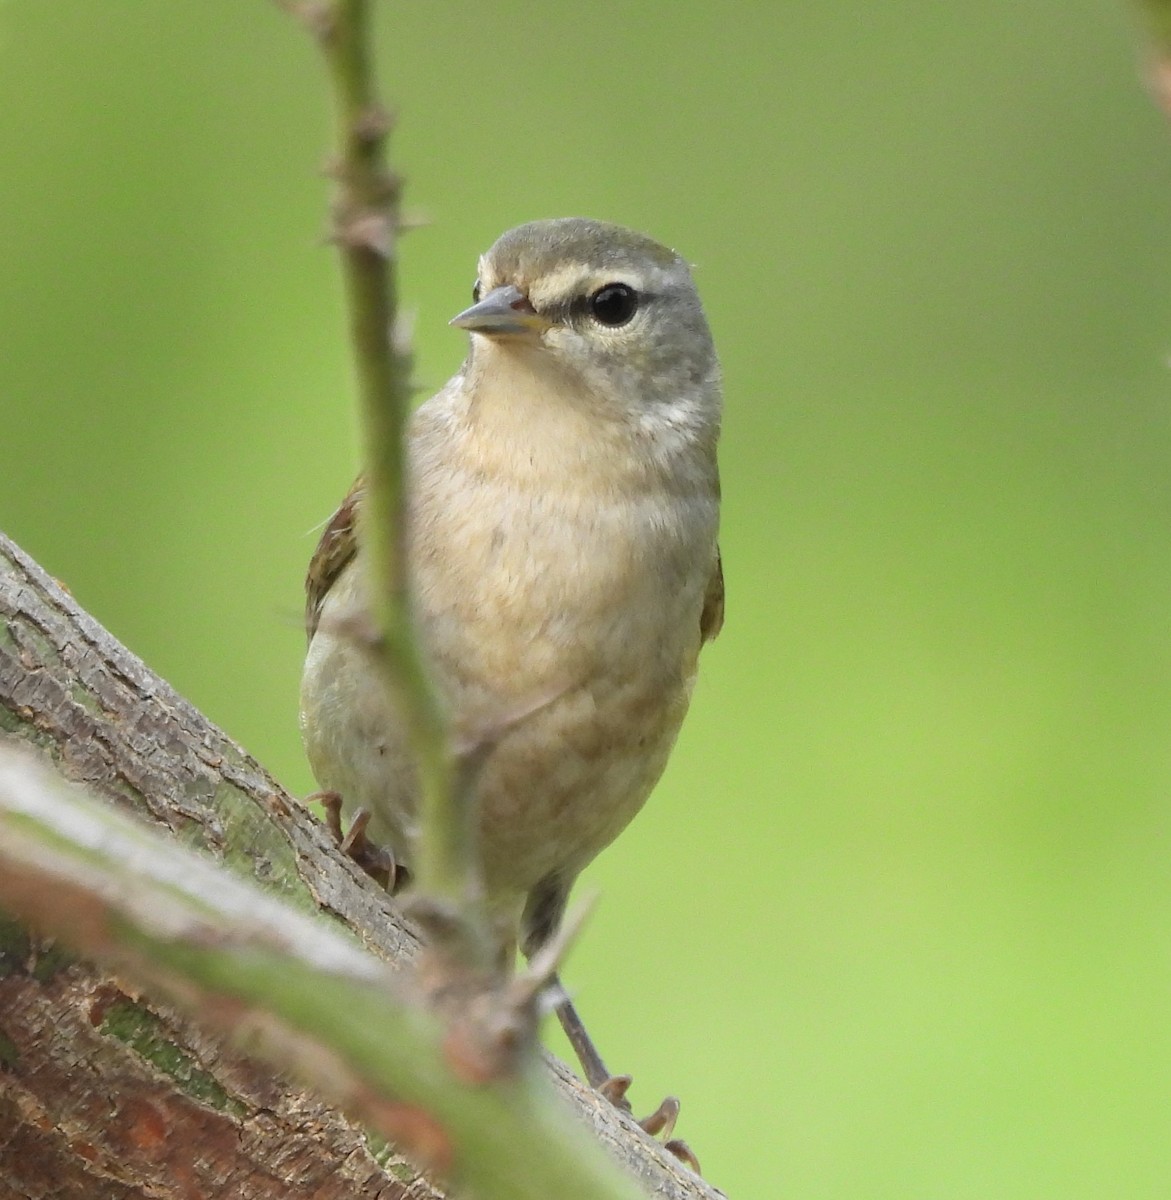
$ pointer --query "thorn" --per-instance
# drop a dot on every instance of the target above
(319, 20)
(402, 332)
(372, 124)
(487, 1045)
(549, 1000)
(414, 220)
(368, 230)
(313, 14)
(544, 965)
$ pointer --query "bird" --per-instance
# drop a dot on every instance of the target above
(561, 539)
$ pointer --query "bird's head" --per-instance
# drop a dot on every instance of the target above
(611, 311)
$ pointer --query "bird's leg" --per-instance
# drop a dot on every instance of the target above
(545, 937)
(614, 1087)
(597, 1076)
(377, 861)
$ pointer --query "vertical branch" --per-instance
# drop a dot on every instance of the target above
(366, 227)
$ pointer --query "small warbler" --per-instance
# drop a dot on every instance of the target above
(563, 508)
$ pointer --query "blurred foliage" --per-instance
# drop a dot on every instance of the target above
(1158, 16)
(895, 924)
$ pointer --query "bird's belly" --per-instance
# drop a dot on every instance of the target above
(563, 655)
(570, 647)
(567, 778)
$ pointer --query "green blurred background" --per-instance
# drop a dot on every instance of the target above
(898, 921)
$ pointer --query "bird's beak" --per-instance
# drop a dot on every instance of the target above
(504, 310)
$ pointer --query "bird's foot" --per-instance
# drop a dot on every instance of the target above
(614, 1087)
(660, 1122)
(376, 860)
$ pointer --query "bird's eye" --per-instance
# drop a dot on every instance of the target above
(614, 304)
(476, 292)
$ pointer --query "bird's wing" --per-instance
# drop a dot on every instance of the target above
(711, 620)
(338, 544)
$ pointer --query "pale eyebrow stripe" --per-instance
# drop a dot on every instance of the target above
(561, 284)
(571, 281)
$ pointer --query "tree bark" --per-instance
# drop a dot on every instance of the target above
(108, 1093)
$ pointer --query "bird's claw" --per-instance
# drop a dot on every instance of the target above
(679, 1149)
(614, 1087)
(660, 1122)
(377, 861)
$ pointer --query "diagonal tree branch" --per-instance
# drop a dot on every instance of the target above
(69, 688)
(298, 991)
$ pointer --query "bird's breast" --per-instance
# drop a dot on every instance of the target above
(521, 589)
(564, 627)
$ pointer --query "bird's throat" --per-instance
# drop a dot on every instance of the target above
(526, 418)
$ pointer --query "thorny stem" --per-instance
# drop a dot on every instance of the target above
(366, 226)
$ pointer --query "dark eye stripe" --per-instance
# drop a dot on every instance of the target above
(581, 307)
